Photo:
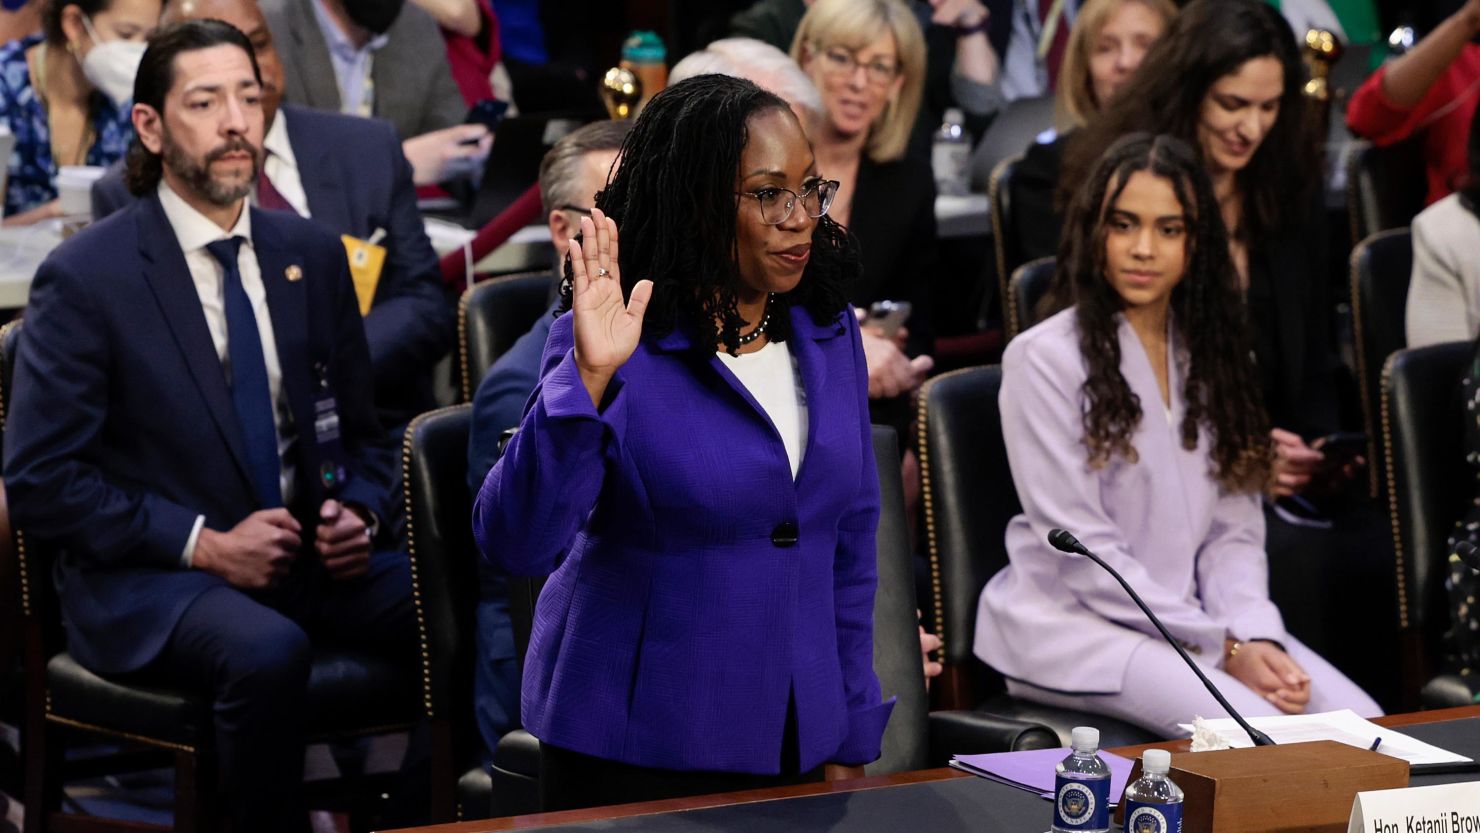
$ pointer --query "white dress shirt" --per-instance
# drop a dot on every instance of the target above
(194, 230)
(1023, 74)
(353, 65)
(281, 165)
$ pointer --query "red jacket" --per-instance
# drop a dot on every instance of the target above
(1441, 120)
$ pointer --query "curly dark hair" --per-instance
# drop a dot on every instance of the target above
(1208, 40)
(1222, 390)
(673, 199)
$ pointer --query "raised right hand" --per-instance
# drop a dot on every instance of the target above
(606, 331)
(255, 553)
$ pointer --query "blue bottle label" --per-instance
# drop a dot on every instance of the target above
(1152, 818)
(1081, 804)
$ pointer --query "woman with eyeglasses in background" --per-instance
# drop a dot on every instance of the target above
(65, 94)
(695, 471)
(867, 57)
(1106, 45)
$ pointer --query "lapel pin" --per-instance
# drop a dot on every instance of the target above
(293, 273)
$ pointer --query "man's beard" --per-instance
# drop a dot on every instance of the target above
(197, 175)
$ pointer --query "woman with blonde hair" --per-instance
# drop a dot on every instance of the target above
(867, 58)
(1109, 39)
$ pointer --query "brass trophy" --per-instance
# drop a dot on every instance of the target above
(1322, 50)
(621, 90)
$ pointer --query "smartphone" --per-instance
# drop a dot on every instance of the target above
(888, 316)
(1341, 449)
(488, 112)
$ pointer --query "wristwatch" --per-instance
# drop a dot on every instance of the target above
(372, 521)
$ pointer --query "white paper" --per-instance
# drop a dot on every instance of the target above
(1344, 726)
(1446, 808)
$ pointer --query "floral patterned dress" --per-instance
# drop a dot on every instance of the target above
(32, 169)
(1462, 584)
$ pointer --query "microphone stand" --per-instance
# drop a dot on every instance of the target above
(1063, 541)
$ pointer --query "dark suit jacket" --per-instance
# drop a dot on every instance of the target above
(1036, 223)
(357, 180)
(414, 89)
(122, 430)
(893, 218)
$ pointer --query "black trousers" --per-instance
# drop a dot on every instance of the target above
(251, 654)
(573, 781)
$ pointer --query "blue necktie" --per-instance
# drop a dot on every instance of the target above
(249, 390)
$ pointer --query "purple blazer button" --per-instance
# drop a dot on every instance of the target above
(785, 534)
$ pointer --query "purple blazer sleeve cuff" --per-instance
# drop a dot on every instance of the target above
(865, 735)
(1258, 622)
(564, 396)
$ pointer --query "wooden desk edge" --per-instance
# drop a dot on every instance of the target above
(537, 820)
(699, 802)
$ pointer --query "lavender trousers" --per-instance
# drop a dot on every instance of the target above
(1160, 692)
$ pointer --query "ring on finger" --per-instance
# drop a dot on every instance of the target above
(602, 271)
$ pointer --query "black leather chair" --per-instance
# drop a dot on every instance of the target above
(1381, 266)
(1385, 187)
(969, 499)
(1005, 234)
(434, 460)
(915, 738)
(1027, 287)
(491, 316)
(1429, 488)
(62, 697)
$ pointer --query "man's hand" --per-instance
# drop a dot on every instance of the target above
(1271, 672)
(446, 154)
(342, 541)
(255, 553)
(929, 643)
(890, 372)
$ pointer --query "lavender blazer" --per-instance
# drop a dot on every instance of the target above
(1193, 552)
(696, 587)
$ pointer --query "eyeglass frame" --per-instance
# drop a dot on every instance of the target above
(791, 205)
(584, 212)
(825, 54)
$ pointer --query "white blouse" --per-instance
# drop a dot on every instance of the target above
(770, 374)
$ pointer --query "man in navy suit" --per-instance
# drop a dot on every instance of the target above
(349, 175)
(192, 428)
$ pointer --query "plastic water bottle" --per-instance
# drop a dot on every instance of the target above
(950, 154)
(1081, 801)
(1154, 803)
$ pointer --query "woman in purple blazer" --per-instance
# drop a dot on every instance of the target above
(1133, 419)
(696, 469)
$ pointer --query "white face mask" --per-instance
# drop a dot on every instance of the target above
(110, 66)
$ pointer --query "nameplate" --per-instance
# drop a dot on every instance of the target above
(1446, 808)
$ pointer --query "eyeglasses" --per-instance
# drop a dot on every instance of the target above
(841, 62)
(584, 212)
(778, 203)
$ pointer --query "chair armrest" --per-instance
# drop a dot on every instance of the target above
(1448, 690)
(974, 733)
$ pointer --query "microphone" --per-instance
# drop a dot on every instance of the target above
(1063, 541)
(1469, 554)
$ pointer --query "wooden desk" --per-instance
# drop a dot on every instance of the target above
(538, 820)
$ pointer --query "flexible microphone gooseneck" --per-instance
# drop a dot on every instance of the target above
(1063, 541)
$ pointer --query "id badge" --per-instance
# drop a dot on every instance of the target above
(366, 259)
(332, 474)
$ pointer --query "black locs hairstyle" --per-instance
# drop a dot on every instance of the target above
(156, 77)
(1221, 391)
(1208, 40)
(674, 202)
